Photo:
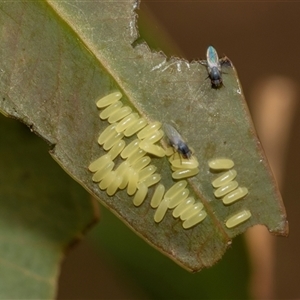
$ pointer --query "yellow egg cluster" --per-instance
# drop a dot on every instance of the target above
(228, 189)
(135, 171)
(183, 167)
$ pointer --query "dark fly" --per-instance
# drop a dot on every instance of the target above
(177, 142)
(213, 64)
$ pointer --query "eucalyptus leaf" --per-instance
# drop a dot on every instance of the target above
(43, 212)
(59, 57)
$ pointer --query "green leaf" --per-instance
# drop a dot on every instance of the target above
(60, 57)
(42, 213)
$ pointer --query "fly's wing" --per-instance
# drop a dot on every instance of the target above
(212, 57)
(173, 135)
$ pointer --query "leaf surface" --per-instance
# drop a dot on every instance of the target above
(43, 211)
(60, 57)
